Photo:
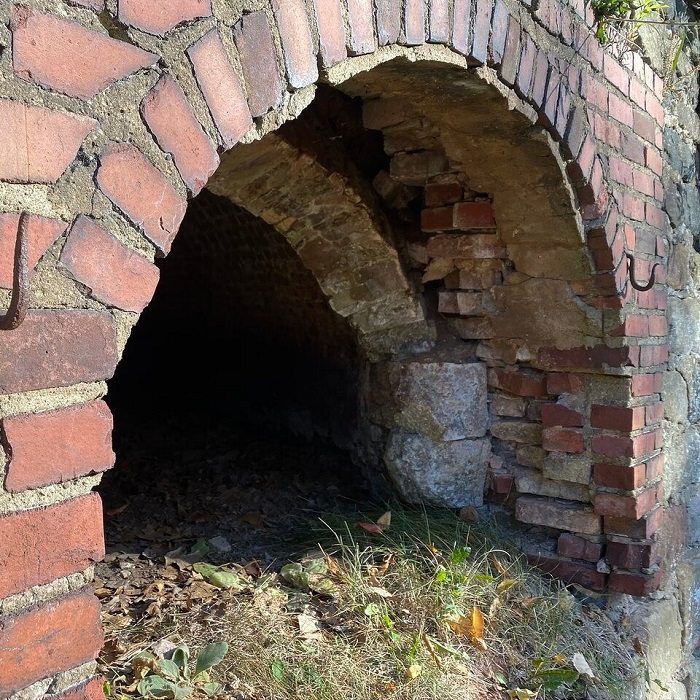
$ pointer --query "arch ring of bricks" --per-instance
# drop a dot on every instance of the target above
(61, 134)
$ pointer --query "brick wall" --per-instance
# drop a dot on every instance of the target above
(553, 144)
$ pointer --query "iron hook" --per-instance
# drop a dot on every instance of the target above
(20, 279)
(633, 280)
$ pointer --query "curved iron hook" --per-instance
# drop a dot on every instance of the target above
(20, 279)
(633, 280)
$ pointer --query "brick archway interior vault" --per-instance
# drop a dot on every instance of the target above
(485, 258)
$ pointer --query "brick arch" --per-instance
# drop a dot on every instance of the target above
(110, 123)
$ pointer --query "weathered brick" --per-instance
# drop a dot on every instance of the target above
(38, 144)
(92, 689)
(473, 215)
(499, 29)
(633, 583)
(297, 46)
(554, 414)
(331, 32)
(63, 56)
(616, 476)
(388, 20)
(415, 168)
(172, 121)
(474, 328)
(160, 18)
(436, 194)
(115, 274)
(501, 482)
(569, 545)
(623, 446)
(474, 278)
(589, 357)
(655, 467)
(437, 219)
(631, 507)
(461, 26)
(574, 468)
(142, 192)
(41, 232)
(571, 516)
(474, 245)
(221, 88)
(39, 546)
(414, 22)
(518, 383)
(584, 574)
(622, 418)
(562, 440)
(645, 384)
(564, 383)
(360, 18)
(258, 57)
(56, 446)
(439, 21)
(632, 555)
(53, 637)
(482, 30)
(526, 70)
(517, 431)
(643, 528)
(57, 348)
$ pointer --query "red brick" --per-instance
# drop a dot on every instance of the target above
(499, 29)
(658, 326)
(471, 245)
(160, 18)
(655, 467)
(388, 21)
(481, 31)
(297, 46)
(518, 383)
(653, 160)
(57, 446)
(473, 215)
(623, 446)
(562, 440)
(142, 192)
(538, 85)
(554, 415)
(90, 690)
(632, 555)
(511, 52)
(115, 274)
(557, 514)
(502, 483)
(63, 56)
(41, 232)
(643, 528)
(652, 355)
(57, 348)
(360, 16)
(258, 58)
(574, 547)
(331, 30)
(616, 74)
(634, 325)
(526, 69)
(622, 418)
(51, 638)
(584, 574)
(636, 584)
(175, 127)
(439, 21)
(436, 194)
(560, 383)
(221, 88)
(39, 546)
(588, 357)
(438, 219)
(414, 22)
(645, 384)
(616, 476)
(631, 507)
(38, 144)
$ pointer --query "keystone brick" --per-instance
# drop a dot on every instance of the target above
(388, 20)
(142, 192)
(331, 31)
(360, 18)
(63, 56)
(474, 245)
(160, 17)
(473, 215)
(584, 574)
(90, 690)
(298, 48)
(637, 584)
(39, 546)
(115, 274)
(57, 348)
(56, 446)
(622, 418)
(631, 507)
(517, 383)
(38, 144)
(554, 414)
(617, 476)
(258, 57)
(569, 545)
(562, 440)
(558, 514)
(42, 232)
(170, 117)
(54, 637)
(221, 88)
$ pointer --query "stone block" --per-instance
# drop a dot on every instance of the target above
(574, 517)
(448, 474)
(532, 481)
(442, 401)
(509, 406)
(566, 467)
(530, 456)
(517, 431)
(415, 168)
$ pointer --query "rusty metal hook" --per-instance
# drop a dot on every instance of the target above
(633, 280)
(20, 279)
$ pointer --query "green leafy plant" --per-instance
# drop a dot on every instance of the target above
(174, 679)
(625, 17)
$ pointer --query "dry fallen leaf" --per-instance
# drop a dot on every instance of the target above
(504, 585)
(385, 520)
(494, 607)
(381, 592)
(469, 514)
(431, 649)
(528, 603)
(413, 671)
(582, 666)
(521, 694)
(308, 627)
(497, 564)
(372, 528)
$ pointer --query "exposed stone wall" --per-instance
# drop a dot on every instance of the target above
(114, 114)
